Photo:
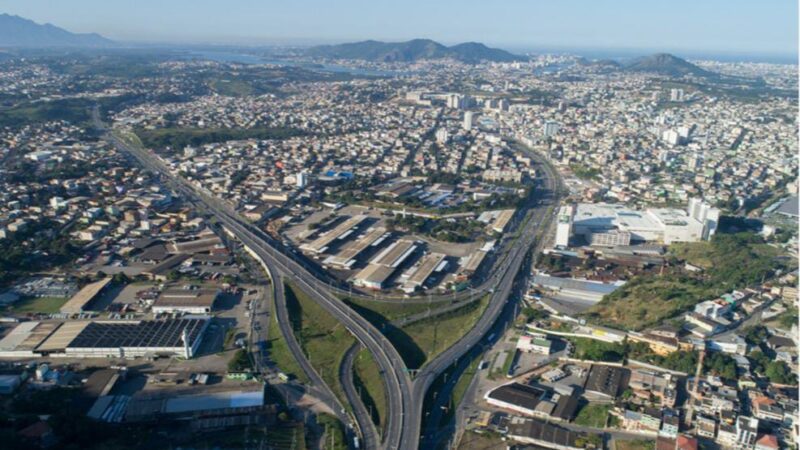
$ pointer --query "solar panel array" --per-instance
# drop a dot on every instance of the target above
(146, 333)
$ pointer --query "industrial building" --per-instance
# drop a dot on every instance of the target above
(384, 265)
(103, 339)
(534, 401)
(79, 302)
(571, 288)
(543, 435)
(606, 381)
(166, 405)
(613, 225)
(186, 299)
(346, 258)
(496, 221)
(430, 263)
(341, 231)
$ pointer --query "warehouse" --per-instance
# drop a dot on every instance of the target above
(120, 339)
(571, 288)
(79, 302)
(606, 381)
(25, 338)
(543, 434)
(347, 256)
(341, 231)
(534, 401)
(385, 264)
(186, 299)
(432, 262)
(146, 407)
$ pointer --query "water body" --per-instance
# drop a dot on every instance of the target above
(241, 58)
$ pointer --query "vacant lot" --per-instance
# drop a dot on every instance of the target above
(33, 305)
(729, 261)
(593, 415)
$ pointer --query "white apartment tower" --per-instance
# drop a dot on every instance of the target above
(442, 136)
(302, 180)
(705, 214)
(564, 226)
(469, 119)
(551, 128)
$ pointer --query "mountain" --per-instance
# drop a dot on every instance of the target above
(410, 51)
(16, 31)
(666, 64)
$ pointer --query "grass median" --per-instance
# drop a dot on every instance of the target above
(421, 341)
(372, 390)
(323, 338)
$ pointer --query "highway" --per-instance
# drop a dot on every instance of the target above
(397, 380)
(369, 434)
(405, 398)
(431, 371)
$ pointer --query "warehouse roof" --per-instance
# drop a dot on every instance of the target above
(82, 298)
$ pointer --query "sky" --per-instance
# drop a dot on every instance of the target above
(747, 27)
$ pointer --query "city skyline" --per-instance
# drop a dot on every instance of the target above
(730, 30)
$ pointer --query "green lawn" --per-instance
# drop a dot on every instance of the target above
(389, 310)
(639, 444)
(422, 341)
(44, 305)
(279, 352)
(593, 415)
(323, 338)
(367, 376)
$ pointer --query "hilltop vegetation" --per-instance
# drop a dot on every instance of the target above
(413, 50)
(729, 261)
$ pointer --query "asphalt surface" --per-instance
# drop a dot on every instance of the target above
(369, 434)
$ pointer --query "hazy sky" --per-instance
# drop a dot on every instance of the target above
(729, 26)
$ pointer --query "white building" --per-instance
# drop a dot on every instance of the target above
(564, 227)
(302, 180)
(469, 120)
(442, 136)
(665, 225)
(551, 128)
(705, 214)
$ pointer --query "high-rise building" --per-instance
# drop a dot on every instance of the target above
(442, 136)
(676, 95)
(302, 180)
(469, 119)
(671, 137)
(564, 226)
(551, 128)
(705, 214)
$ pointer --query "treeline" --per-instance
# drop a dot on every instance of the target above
(178, 138)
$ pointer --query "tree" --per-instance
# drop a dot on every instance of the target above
(779, 372)
(756, 334)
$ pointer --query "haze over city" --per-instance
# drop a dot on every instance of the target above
(410, 225)
(740, 28)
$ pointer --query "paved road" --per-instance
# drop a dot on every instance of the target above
(369, 433)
